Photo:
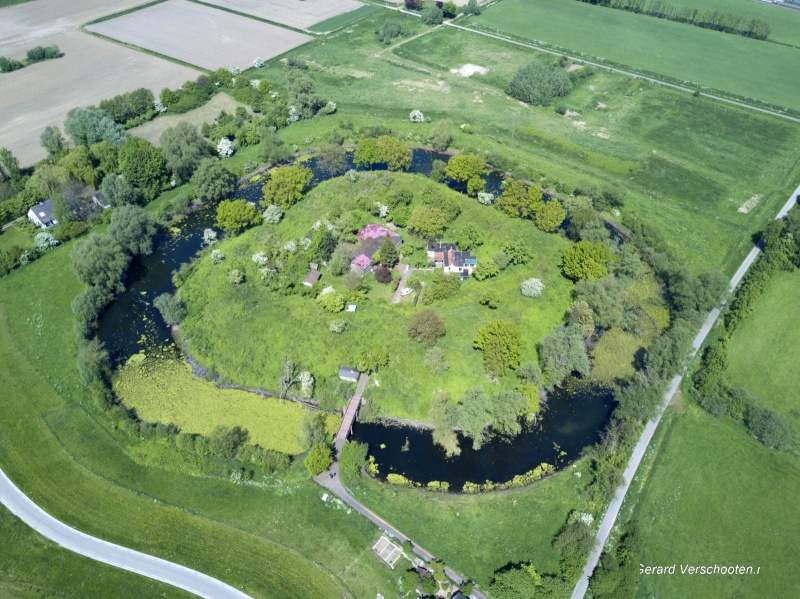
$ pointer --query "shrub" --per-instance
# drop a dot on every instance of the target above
(332, 302)
(233, 216)
(89, 303)
(532, 288)
(338, 326)
(561, 353)
(171, 308)
(486, 269)
(449, 10)
(435, 361)
(490, 298)
(235, 276)
(426, 327)
(432, 15)
(485, 198)
(586, 260)
(352, 459)
(416, 116)
(537, 84)
(272, 215)
(501, 343)
(383, 275)
(389, 30)
(769, 428)
(517, 252)
(44, 241)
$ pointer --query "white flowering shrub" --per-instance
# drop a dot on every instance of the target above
(235, 276)
(338, 326)
(274, 95)
(44, 241)
(305, 243)
(254, 83)
(466, 128)
(273, 214)
(260, 259)
(316, 225)
(257, 62)
(159, 107)
(383, 210)
(290, 246)
(328, 289)
(225, 148)
(329, 108)
(209, 236)
(235, 71)
(217, 257)
(306, 380)
(351, 175)
(293, 116)
(532, 288)
(485, 197)
(25, 258)
(587, 519)
(266, 273)
(416, 116)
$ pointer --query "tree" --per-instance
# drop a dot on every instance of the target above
(9, 166)
(467, 169)
(426, 327)
(52, 140)
(580, 314)
(119, 192)
(394, 152)
(586, 260)
(92, 360)
(468, 236)
(143, 165)
(473, 8)
(88, 126)
(427, 221)
(549, 216)
(352, 459)
(606, 298)
(517, 252)
(472, 415)
(286, 186)
(438, 197)
(78, 163)
(212, 181)
(501, 343)
(518, 200)
(303, 94)
(389, 30)
(332, 159)
(441, 286)
(312, 430)
(432, 15)
(443, 434)
(538, 84)
(518, 582)
(486, 269)
(449, 10)
(99, 260)
(371, 359)
(331, 301)
(183, 148)
(441, 135)
(48, 180)
(383, 275)
(769, 428)
(133, 229)
(340, 261)
(387, 253)
(532, 288)
(561, 353)
(224, 442)
(234, 216)
(172, 309)
(104, 153)
(89, 303)
(319, 459)
(507, 407)
(490, 298)
(667, 353)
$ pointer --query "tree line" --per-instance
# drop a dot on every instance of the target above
(718, 20)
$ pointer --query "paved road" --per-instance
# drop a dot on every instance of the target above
(108, 553)
(613, 509)
(405, 272)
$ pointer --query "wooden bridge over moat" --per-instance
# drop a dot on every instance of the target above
(350, 414)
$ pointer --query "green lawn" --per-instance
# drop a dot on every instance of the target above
(715, 495)
(694, 161)
(344, 19)
(478, 534)
(762, 353)
(32, 567)
(15, 236)
(4, 3)
(731, 63)
(78, 473)
(165, 390)
(296, 326)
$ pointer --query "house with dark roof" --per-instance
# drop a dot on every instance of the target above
(349, 374)
(41, 215)
(371, 237)
(448, 257)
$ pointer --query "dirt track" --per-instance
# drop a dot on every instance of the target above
(200, 35)
(291, 12)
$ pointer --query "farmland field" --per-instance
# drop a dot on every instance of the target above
(42, 94)
(200, 35)
(165, 390)
(290, 12)
(690, 54)
(694, 161)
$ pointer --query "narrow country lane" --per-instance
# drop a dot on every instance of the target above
(102, 551)
(627, 477)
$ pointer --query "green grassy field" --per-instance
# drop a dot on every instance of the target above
(762, 353)
(742, 66)
(35, 567)
(785, 22)
(715, 495)
(164, 390)
(695, 161)
(15, 236)
(78, 472)
(344, 19)
(478, 534)
(297, 326)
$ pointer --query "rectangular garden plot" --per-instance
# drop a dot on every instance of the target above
(295, 13)
(200, 35)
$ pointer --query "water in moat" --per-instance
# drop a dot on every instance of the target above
(574, 416)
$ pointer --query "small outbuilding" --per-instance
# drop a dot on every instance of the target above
(41, 215)
(349, 374)
(312, 278)
(351, 307)
(100, 201)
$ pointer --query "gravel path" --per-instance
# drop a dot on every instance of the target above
(613, 509)
(102, 551)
